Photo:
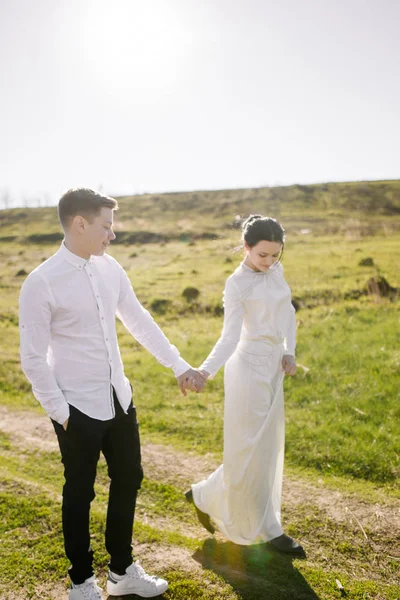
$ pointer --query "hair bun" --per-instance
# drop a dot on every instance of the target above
(250, 219)
(257, 228)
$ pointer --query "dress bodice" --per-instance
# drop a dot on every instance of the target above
(257, 307)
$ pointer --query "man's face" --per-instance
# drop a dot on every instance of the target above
(99, 233)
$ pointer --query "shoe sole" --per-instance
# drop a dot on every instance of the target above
(114, 592)
(300, 553)
(203, 517)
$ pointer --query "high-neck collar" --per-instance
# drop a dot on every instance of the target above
(258, 273)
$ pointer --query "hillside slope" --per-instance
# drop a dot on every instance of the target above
(329, 208)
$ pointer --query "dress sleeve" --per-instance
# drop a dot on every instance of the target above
(233, 319)
(290, 322)
(290, 341)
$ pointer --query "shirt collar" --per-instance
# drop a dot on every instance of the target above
(72, 258)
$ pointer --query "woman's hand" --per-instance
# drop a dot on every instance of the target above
(205, 375)
(289, 364)
(191, 380)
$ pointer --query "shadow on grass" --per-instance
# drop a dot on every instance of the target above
(255, 572)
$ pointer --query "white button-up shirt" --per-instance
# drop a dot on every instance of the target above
(68, 339)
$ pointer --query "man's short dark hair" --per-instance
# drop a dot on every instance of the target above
(84, 202)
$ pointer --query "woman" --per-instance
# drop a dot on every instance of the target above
(257, 346)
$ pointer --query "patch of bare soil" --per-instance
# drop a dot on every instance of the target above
(42, 592)
(28, 428)
(167, 465)
(171, 558)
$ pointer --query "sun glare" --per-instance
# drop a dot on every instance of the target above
(131, 45)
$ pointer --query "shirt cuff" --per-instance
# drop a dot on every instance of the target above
(61, 414)
(180, 367)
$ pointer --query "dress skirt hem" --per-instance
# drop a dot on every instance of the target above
(243, 496)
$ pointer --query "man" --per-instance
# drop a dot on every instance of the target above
(70, 354)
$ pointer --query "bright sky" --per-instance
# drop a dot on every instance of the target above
(135, 96)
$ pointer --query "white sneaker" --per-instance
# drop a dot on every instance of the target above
(135, 581)
(88, 590)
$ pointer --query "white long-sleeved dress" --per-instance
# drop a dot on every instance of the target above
(243, 496)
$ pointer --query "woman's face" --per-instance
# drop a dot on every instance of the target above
(263, 255)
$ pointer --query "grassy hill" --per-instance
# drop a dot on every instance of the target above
(330, 208)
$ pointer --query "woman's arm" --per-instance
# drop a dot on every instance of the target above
(233, 319)
(291, 332)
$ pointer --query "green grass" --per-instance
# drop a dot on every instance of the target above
(32, 544)
(30, 529)
(341, 413)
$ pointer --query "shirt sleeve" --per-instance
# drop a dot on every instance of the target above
(230, 336)
(34, 328)
(145, 330)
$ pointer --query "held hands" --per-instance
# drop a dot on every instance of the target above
(193, 380)
(289, 364)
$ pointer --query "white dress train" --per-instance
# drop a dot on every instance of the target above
(243, 496)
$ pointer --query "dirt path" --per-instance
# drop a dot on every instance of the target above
(167, 465)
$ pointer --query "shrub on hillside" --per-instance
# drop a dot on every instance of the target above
(190, 293)
(366, 262)
(160, 305)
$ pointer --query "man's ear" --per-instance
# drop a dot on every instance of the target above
(78, 224)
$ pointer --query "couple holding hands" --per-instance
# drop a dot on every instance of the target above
(70, 354)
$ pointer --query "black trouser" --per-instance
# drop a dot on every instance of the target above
(80, 447)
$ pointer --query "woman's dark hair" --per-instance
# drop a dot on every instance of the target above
(257, 228)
